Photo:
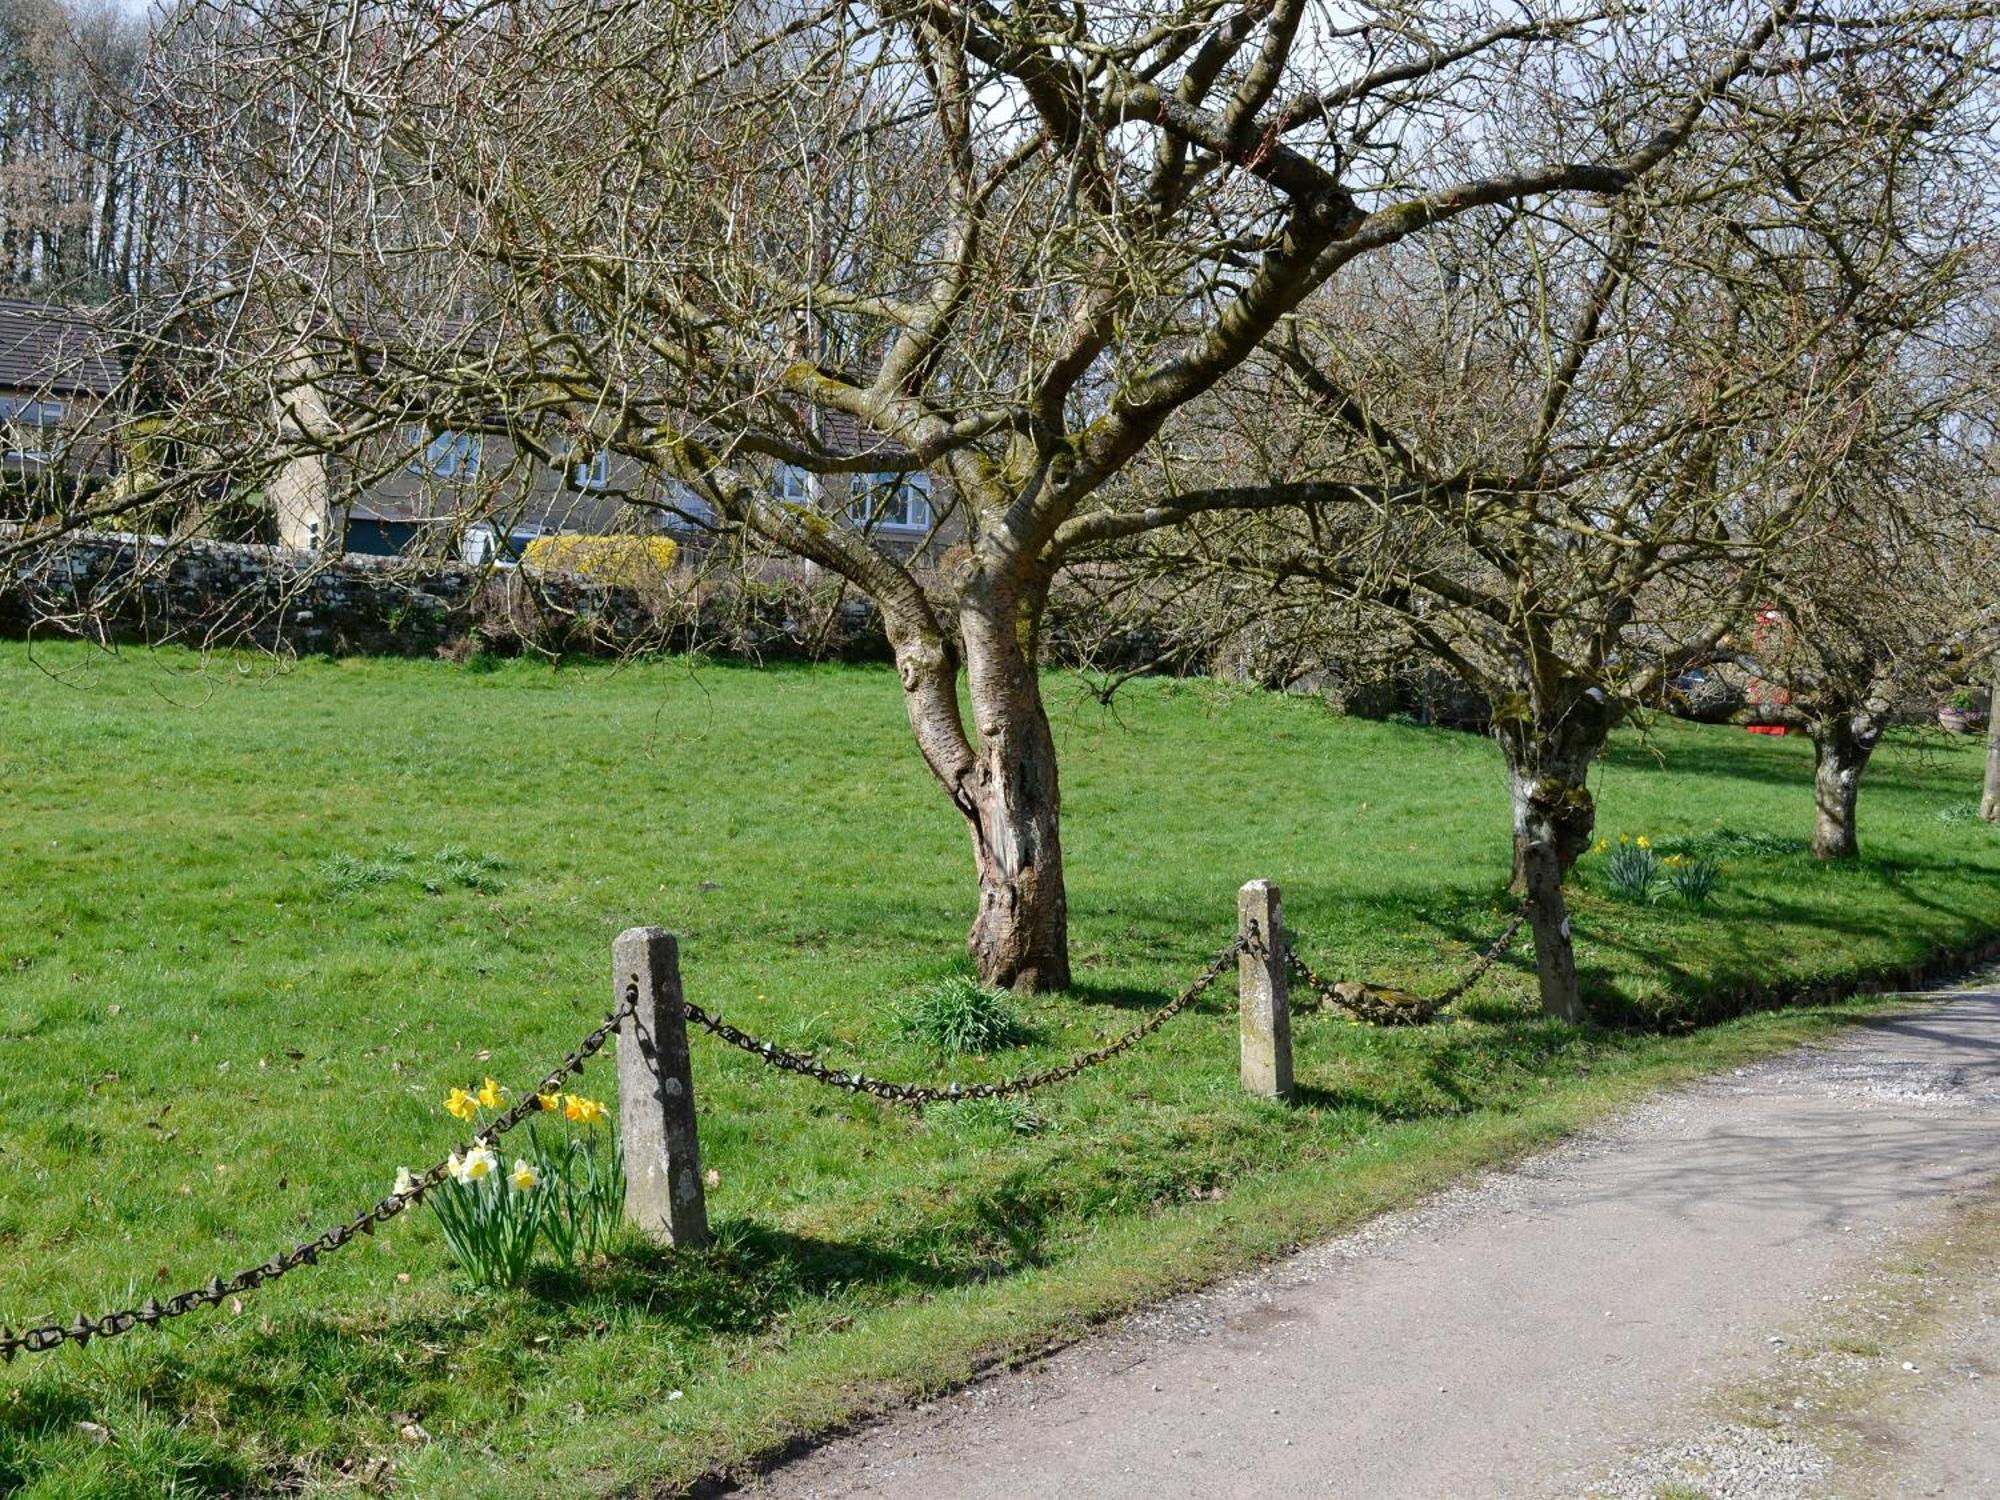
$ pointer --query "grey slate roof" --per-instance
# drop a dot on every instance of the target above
(53, 351)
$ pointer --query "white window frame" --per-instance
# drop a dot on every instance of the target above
(594, 473)
(792, 485)
(683, 497)
(20, 415)
(446, 454)
(871, 496)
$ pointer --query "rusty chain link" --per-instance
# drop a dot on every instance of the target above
(1387, 1013)
(919, 1094)
(48, 1336)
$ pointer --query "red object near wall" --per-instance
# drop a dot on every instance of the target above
(1761, 693)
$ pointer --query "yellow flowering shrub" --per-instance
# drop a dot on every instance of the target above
(623, 561)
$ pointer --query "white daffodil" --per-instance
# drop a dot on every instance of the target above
(523, 1176)
(405, 1183)
(480, 1162)
(454, 1166)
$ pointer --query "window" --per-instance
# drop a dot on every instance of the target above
(893, 502)
(28, 412)
(445, 455)
(687, 507)
(593, 473)
(792, 485)
(29, 425)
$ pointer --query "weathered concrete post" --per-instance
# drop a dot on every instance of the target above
(1264, 998)
(1989, 802)
(663, 1188)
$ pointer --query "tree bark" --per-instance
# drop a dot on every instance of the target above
(1548, 781)
(1989, 804)
(1002, 780)
(1548, 919)
(1840, 755)
(1020, 939)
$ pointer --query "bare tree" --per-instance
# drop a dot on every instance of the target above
(1560, 443)
(1004, 247)
(74, 204)
(1876, 608)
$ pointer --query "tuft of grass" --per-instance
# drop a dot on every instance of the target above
(1723, 842)
(468, 871)
(348, 874)
(1962, 815)
(1013, 1115)
(958, 1015)
(1693, 877)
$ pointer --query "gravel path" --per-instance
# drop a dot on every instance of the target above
(1584, 1324)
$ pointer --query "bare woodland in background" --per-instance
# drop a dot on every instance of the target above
(1543, 349)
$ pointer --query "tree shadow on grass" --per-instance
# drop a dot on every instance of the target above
(1441, 1072)
(744, 1286)
(755, 1272)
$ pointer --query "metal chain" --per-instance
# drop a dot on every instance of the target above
(919, 1094)
(1383, 1013)
(110, 1325)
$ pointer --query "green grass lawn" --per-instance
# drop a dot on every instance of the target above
(254, 924)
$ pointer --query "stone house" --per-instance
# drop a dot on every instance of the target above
(55, 370)
(479, 497)
(424, 492)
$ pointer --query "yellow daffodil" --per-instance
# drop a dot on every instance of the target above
(491, 1094)
(550, 1103)
(479, 1163)
(458, 1102)
(583, 1111)
(1602, 845)
(522, 1178)
(1644, 842)
(1624, 838)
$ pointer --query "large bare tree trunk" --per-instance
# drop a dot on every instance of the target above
(1840, 755)
(1021, 935)
(1989, 804)
(1002, 778)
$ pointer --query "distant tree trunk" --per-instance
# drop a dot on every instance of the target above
(1548, 918)
(1989, 804)
(1842, 744)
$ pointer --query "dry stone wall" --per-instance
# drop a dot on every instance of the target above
(117, 587)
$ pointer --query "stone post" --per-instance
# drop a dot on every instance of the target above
(1989, 801)
(663, 1187)
(1264, 998)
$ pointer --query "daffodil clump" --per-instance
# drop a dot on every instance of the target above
(567, 1193)
(1637, 872)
